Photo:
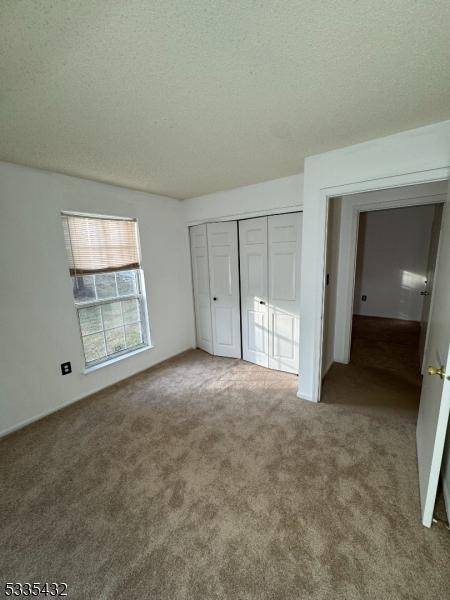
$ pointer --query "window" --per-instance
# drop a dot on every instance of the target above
(108, 285)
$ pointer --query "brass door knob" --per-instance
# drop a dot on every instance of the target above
(436, 371)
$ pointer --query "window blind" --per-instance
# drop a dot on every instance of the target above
(100, 245)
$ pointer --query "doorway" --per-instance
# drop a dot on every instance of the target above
(404, 228)
(385, 257)
(395, 264)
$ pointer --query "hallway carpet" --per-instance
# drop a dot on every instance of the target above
(207, 478)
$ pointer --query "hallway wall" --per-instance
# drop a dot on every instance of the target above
(392, 261)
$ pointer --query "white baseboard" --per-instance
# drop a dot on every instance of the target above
(26, 422)
(46, 413)
(303, 397)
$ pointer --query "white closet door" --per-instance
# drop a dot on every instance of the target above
(254, 290)
(224, 286)
(284, 237)
(200, 276)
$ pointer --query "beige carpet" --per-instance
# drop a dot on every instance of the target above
(207, 478)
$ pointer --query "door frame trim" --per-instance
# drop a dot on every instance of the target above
(372, 185)
(318, 192)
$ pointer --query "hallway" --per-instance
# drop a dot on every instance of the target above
(384, 371)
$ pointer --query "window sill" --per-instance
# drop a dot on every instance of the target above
(116, 359)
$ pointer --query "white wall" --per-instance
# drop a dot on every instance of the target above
(408, 158)
(391, 266)
(38, 324)
(277, 195)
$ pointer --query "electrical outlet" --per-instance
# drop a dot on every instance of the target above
(364, 298)
(66, 368)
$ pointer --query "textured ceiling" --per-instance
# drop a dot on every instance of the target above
(185, 97)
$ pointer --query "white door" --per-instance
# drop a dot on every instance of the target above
(254, 290)
(224, 287)
(427, 292)
(435, 398)
(200, 276)
(284, 244)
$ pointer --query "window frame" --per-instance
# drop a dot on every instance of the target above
(140, 295)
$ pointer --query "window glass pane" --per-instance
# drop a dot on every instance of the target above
(83, 288)
(115, 340)
(105, 284)
(90, 320)
(131, 312)
(133, 335)
(94, 347)
(112, 315)
(126, 283)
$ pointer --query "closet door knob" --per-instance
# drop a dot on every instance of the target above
(261, 302)
(214, 298)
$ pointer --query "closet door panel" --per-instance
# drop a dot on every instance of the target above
(284, 244)
(224, 288)
(223, 327)
(200, 276)
(254, 293)
(283, 328)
